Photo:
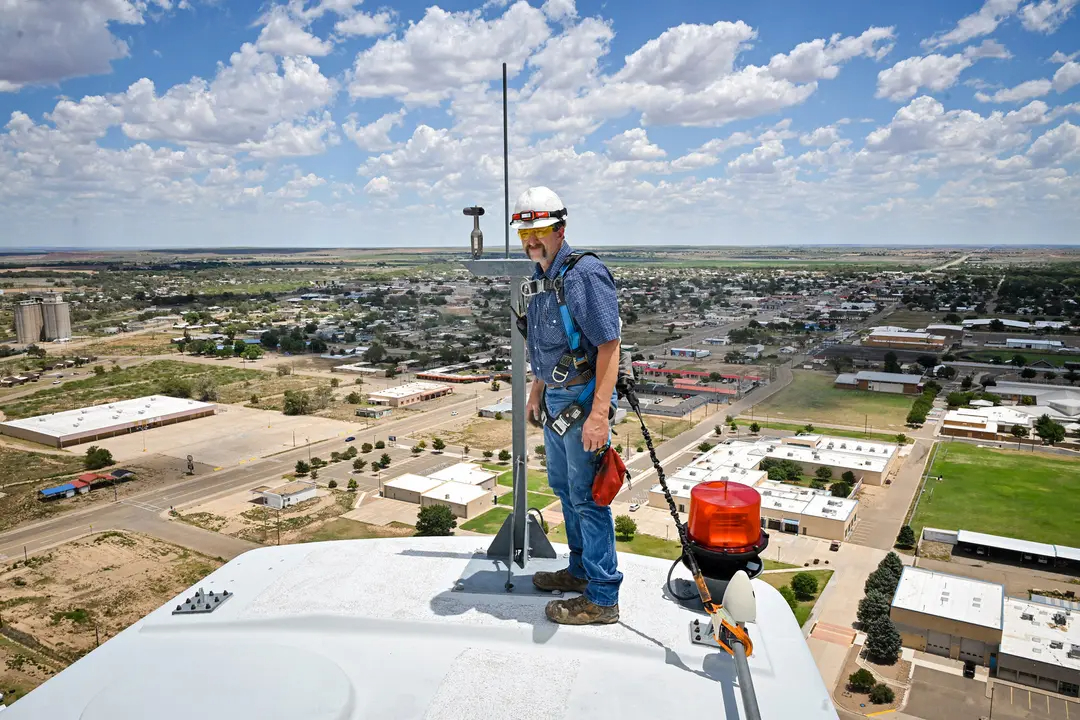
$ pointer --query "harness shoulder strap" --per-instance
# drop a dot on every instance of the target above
(573, 336)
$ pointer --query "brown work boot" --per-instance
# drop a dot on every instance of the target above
(561, 580)
(581, 611)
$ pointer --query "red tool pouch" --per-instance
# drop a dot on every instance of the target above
(610, 473)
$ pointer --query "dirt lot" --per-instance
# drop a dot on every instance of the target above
(252, 434)
(157, 343)
(53, 603)
(21, 505)
(477, 433)
(851, 700)
(238, 515)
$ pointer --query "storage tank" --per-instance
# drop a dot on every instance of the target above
(56, 315)
(28, 322)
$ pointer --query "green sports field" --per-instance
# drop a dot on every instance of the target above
(812, 397)
(1025, 495)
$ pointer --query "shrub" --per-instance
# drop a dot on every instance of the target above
(358, 465)
(488, 454)
(789, 596)
(824, 473)
(434, 520)
(438, 445)
(840, 489)
(862, 680)
(302, 468)
(380, 445)
(805, 585)
(705, 447)
(625, 527)
(97, 458)
(352, 485)
(848, 477)
(332, 484)
(881, 694)
(906, 537)
(504, 456)
(755, 427)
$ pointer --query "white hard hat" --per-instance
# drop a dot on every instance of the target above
(536, 201)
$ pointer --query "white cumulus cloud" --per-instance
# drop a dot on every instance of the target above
(978, 24)
(1046, 16)
(373, 137)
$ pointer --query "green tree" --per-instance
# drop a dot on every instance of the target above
(901, 439)
(881, 580)
(302, 468)
(314, 474)
(416, 449)
(625, 527)
(332, 484)
(805, 585)
(966, 383)
(705, 447)
(297, 402)
(359, 464)
(882, 641)
(1018, 360)
(1019, 432)
(351, 452)
(353, 398)
(495, 385)
(1028, 373)
(317, 462)
(540, 450)
(1051, 432)
(99, 370)
(718, 430)
(906, 537)
(335, 456)
(365, 448)
(823, 472)
(488, 454)
(251, 352)
(384, 460)
(873, 606)
(789, 595)
(504, 456)
(438, 445)
(893, 564)
(380, 445)
(435, 520)
(755, 427)
(840, 489)
(97, 458)
(891, 363)
(881, 694)
(862, 680)
(848, 477)
(352, 485)
(808, 428)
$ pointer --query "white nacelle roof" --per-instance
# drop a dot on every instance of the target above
(372, 629)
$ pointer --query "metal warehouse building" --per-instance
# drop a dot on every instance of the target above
(102, 421)
(1040, 646)
(946, 615)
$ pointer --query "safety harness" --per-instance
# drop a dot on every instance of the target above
(577, 358)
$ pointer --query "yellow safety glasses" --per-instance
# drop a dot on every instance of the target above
(533, 233)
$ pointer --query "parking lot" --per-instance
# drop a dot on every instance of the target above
(1016, 702)
(941, 696)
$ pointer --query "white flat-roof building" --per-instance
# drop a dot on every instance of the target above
(88, 424)
(1040, 646)
(947, 615)
(409, 487)
(787, 507)
(468, 474)
(285, 495)
(358, 369)
(1033, 344)
(409, 394)
(465, 501)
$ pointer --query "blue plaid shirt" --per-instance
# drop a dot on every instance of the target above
(593, 304)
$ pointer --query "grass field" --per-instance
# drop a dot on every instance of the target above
(20, 503)
(1017, 494)
(488, 523)
(812, 397)
(534, 500)
(802, 612)
(913, 319)
(536, 483)
(123, 384)
(795, 427)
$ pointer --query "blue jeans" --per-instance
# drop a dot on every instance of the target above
(590, 531)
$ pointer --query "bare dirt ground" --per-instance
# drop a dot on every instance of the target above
(859, 703)
(475, 432)
(239, 515)
(53, 603)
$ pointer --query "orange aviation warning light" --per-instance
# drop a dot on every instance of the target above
(725, 517)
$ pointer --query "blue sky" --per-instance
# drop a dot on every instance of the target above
(166, 123)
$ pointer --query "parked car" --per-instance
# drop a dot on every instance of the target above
(453, 413)
(634, 507)
(350, 438)
(969, 669)
(835, 546)
(55, 382)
